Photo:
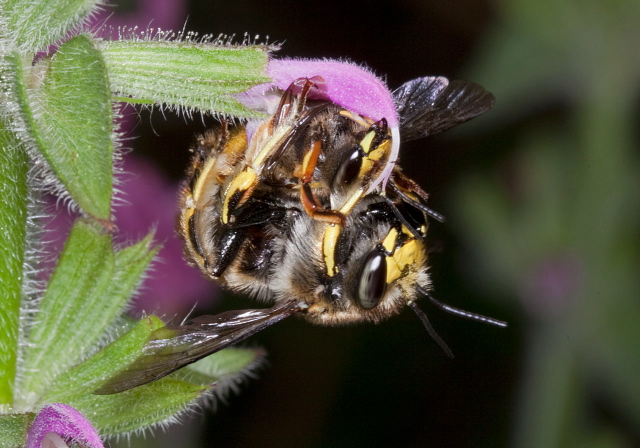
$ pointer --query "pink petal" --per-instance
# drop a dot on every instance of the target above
(348, 85)
(345, 84)
(65, 421)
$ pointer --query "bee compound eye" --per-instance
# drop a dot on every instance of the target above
(349, 168)
(372, 283)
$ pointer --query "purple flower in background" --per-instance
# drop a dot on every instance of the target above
(553, 285)
(57, 425)
(151, 201)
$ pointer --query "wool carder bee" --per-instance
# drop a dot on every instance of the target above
(309, 211)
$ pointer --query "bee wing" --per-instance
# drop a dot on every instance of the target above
(172, 347)
(432, 104)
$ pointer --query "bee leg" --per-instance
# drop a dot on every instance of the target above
(308, 199)
(405, 187)
(256, 213)
(236, 232)
(239, 192)
(294, 99)
(230, 243)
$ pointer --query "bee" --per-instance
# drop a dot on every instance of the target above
(309, 211)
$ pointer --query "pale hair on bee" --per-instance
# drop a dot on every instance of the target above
(309, 211)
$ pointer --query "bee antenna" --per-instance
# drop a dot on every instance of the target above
(403, 220)
(417, 204)
(461, 313)
(427, 325)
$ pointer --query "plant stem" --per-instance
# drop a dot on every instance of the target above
(13, 220)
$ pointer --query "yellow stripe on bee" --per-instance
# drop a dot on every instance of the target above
(213, 169)
(305, 161)
(366, 141)
(244, 181)
(185, 227)
(363, 121)
(270, 145)
(372, 158)
(351, 202)
(187, 214)
(203, 179)
(393, 271)
(389, 242)
(380, 150)
(329, 243)
(406, 255)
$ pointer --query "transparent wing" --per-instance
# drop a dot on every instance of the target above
(432, 104)
(172, 347)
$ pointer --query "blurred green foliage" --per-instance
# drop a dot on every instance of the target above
(558, 229)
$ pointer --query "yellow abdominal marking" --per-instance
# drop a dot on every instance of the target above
(186, 216)
(329, 242)
(245, 182)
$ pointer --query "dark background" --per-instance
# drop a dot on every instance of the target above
(388, 384)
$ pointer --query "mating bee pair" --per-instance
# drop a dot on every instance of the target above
(309, 211)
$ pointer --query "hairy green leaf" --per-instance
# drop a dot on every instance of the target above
(13, 429)
(140, 407)
(87, 292)
(162, 400)
(184, 74)
(33, 25)
(83, 379)
(73, 111)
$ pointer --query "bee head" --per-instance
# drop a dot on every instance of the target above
(363, 271)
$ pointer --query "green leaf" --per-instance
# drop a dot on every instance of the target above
(138, 408)
(13, 220)
(33, 25)
(83, 379)
(87, 292)
(133, 409)
(184, 74)
(221, 365)
(131, 264)
(162, 400)
(13, 429)
(73, 112)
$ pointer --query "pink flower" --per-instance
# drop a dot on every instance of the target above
(345, 84)
(57, 425)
